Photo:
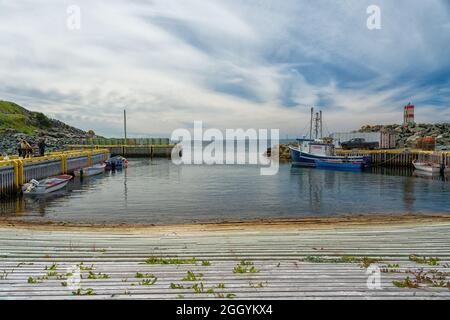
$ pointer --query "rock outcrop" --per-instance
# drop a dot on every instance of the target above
(409, 135)
(17, 123)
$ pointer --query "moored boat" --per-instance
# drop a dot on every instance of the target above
(116, 162)
(427, 166)
(90, 171)
(48, 185)
(314, 153)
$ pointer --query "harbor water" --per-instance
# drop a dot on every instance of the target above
(156, 191)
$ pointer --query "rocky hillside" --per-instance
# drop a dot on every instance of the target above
(18, 123)
(408, 135)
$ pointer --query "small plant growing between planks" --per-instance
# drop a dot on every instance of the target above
(99, 275)
(148, 281)
(83, 292)
(86, 268)
(431, 261)
(160, 260)
(421, 278)
(365, 262)
(245, 267)
(191, 276)
(257, 285)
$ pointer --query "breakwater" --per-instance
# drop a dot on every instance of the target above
(387, 158)
(137, 150)
(15, 172)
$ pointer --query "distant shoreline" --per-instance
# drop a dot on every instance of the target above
(259, 224)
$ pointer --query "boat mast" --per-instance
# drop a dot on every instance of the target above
(321, 131)
(316, 126)
(311, 123)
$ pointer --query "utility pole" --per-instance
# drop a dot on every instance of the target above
(125, 125)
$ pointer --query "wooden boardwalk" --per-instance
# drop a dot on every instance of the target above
(278, 254)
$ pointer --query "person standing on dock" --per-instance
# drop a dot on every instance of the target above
(42, 146)
(19, 148)
(26, 148)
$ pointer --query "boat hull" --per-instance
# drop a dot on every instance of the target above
(90, 171)
(340, 165)
(48, 185)
(426, 167)
(301, 158)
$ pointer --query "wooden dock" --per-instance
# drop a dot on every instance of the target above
(400, 158)
(289, 262)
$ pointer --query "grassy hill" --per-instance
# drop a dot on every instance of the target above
(13, 116)
(18, 123)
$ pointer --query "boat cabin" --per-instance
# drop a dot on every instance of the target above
(316, 147)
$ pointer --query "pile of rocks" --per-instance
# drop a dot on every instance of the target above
(284, 152)
(409, 135)
(55, 138)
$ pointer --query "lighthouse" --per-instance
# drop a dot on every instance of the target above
(408, 114)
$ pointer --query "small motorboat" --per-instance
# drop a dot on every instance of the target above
(341, 164)
(427, 166)
(116, 162)
(90, 171)
(47, 185)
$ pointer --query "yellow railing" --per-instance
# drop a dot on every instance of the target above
(18, 164)
(86, 146)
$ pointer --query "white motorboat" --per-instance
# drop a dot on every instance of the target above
(90, 171)
(427, 166)
(47, 185)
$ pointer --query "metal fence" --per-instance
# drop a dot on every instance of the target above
(41, 169)
(14, 173)
(77, 162)
(132, 141)
(97, 158)
(7, 179)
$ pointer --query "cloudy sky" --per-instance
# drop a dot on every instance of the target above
(229, 63)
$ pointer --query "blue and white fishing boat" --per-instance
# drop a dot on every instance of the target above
(316, 153)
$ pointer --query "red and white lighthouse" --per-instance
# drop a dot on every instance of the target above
(408, 114)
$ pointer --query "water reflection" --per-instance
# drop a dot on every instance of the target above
(157, 191)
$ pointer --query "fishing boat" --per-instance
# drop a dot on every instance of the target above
(116, 162)
(427, 166)
(320, 153)
(90, 171)
(316, 153)
(48, 185)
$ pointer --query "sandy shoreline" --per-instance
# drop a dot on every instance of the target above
(260, 224)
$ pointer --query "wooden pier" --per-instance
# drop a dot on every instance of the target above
(400, 158)
(285, 261)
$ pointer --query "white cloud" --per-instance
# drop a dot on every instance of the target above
(228, 63)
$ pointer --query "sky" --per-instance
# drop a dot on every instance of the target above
(229, 63)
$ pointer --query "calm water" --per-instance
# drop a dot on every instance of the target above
(157, 191)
